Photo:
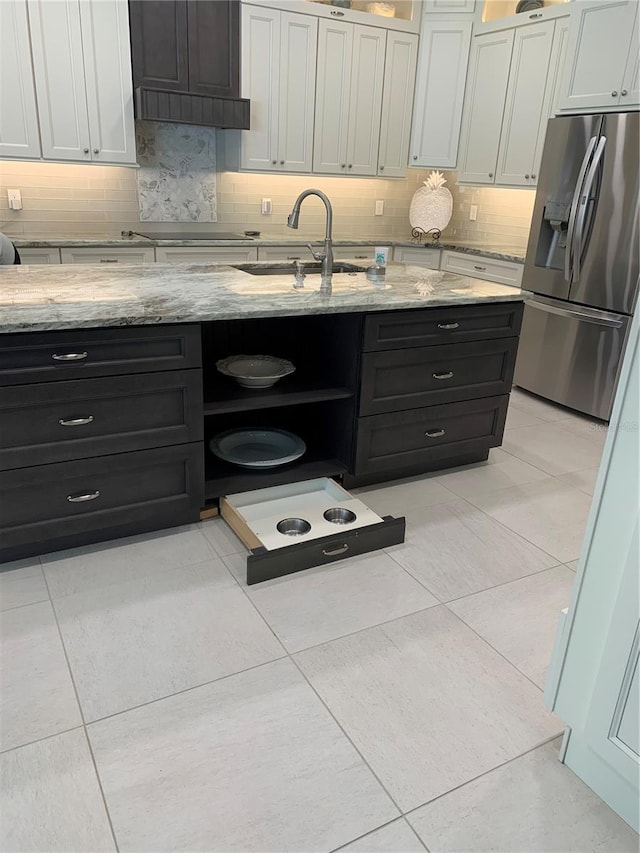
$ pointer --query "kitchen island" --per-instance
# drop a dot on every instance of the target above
(109, 394)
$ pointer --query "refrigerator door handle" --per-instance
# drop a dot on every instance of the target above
(574, 207)
(584, 205)
(597, 318)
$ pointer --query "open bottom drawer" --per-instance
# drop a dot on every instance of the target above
(299, 525)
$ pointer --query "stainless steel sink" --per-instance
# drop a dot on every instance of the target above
(287, 267)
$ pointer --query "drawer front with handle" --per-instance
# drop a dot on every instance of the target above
(48, 507)
(490, 269)
(415, 440)
(42, 357)
(58, 421)
(426, 376)
(404, 329)
(129, 255)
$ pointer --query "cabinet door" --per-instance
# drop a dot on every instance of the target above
(630, 92)
(19, 134)
(260, 75)
(56, 40)
(107, 63)
(159, 44)
(39, 256)
(526, 109)
(484, 106)
(206, 254)
(298, 45)
(214, 47)
(108, 256)
(439, 7)
(335, 52)
(556, 69)
(365, 100)
(440, 83)
(397, 99)
(599, 46)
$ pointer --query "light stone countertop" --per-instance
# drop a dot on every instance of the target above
(43, 298)
(117, 242)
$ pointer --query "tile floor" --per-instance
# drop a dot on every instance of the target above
(151, 701)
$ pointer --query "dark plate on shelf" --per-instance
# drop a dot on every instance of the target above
(258, 448)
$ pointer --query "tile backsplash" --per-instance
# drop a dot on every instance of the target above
(181, 187)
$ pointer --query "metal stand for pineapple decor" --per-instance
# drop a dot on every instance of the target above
(418, 233)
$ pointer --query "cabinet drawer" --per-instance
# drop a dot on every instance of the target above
(206, 254)
(416, 439)
(418, 256)
(59, 421)
(39, 256)
(426, 376)
(504, 272)
(41, 357)
(48, 507)
(302, 253)
(256, 517)
(108, 256)
(426, 327)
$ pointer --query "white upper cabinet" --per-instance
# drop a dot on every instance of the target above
(278, 76)
(348, 98)
(19, 134)
(439, 94)
(397, 100)
(441, 7)
(485, 96)
(602, 70)
(82, 68)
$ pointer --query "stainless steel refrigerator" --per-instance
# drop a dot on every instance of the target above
(582, 261)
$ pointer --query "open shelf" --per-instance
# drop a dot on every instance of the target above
(222, 478)
(228, 397)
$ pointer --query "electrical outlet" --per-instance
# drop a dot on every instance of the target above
(379, 207)
(266, 206)
(473, 212)
(15, 199)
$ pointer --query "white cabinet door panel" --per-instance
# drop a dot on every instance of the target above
(108, 256)
(417, 256)
(440, 86)
(485, 95)
(299, 37)
(39, 256)
(365, 100)
(397, 100)
(526, 108)
(558, 61)
(107, 61)
(206, 254)
(630, 92)
(439, 7)
(58, 66)
(19, 133)
(260, 74)
(335, 53)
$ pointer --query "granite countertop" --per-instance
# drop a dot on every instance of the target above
(503, 253)
(42, 298)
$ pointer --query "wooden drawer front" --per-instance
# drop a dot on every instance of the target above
(504, 272)
(129, 488)
(417, 256)
(426, 376)
(129, 255)
(97, 352)
(415, 438)
(58, 421)
(400, 329)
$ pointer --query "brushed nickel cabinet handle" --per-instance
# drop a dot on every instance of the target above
(434, 433)
(381, 168)
(490, 174)
(448, 325)
(108, 260)
(69, 356)
(535, 15)
(614, 94)
(96, 150)
(447, 375)
(335, 551)
(85, 150)
(76, 421)
(274, 162)
(624, 92)
(478, 267)
(527, 177)
(415, 156)
(338, 14)
(293, 257)
(82, 498)
(533, 177)
(357, 257)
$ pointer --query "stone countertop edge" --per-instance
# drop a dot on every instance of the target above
(84, 296)
(137, 242)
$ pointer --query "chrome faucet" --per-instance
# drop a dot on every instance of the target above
(327, 255)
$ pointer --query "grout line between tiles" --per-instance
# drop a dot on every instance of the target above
(401, 819)
(20, 606)
(40, 739)
(504, 583)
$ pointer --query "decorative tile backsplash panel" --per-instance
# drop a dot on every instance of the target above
(177, 175)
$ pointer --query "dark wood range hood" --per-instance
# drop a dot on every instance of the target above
(186, 62)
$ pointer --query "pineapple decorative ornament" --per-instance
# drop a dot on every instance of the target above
(431, 207)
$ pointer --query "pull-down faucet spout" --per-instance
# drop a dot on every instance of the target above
(327, 255)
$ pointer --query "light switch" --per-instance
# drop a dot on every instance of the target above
(473, 212)
(266, 206)
(379, 207)
(15, 199)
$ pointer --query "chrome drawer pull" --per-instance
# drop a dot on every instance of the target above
(76, 421)
(434, 433)
(69, 356)
(478, 267)
(293, 257)
(447, 375)
(88, 496)
(448, 325)
(108, 260)
(340, 550)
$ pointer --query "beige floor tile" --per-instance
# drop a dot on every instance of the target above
(22, 582)
(517, 417)
(138, 641)
(489, 476)
(533, 804)
(543, 409)
(396, 837)
(550, 514)
(50, 799)
(251, 763)
(552, 448)
(519, 619)
(573, 565)
(221, 537)
(320, 604)
(583, 480)
(455, 550)
(400, 496)
(37, 697)
(427, 702)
